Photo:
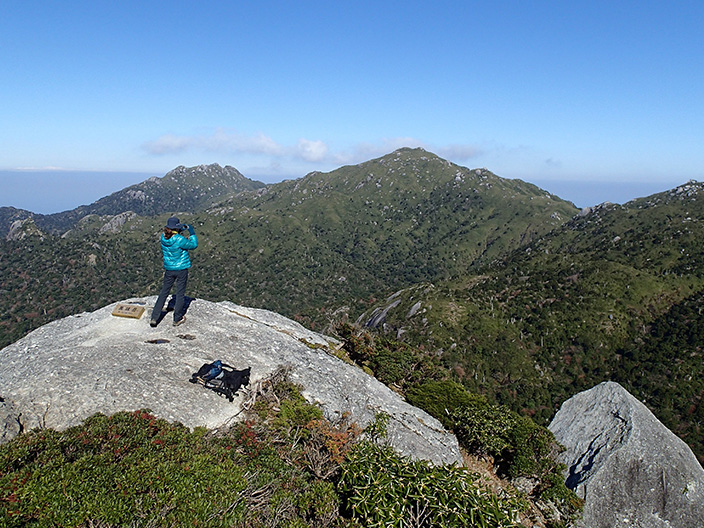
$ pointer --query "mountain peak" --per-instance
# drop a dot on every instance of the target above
(212, 170)
(409, 150)
(183, 189)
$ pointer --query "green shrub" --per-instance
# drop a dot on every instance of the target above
(524, 447)
(440, 399)
(520, 447)
(392, 362)
(117, 470)
(296, 413)
(531, 449)
(484, 428)
(381, 488)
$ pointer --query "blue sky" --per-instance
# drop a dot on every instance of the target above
(598, 100)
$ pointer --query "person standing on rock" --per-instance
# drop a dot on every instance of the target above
(174, 248)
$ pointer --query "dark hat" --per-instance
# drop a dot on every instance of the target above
(173, 224)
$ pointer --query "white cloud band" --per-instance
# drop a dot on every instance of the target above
(311, 151)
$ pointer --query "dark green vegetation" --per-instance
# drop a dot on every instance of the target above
(383, 489)
(515, 444)
(612, 294)
(285, 466)
(43, 279)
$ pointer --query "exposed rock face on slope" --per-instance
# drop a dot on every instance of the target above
(94, 362)
(630, 469)
(21, 229)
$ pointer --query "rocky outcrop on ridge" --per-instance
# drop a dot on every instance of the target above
(69, 369)
(629, 468)
(21, 229)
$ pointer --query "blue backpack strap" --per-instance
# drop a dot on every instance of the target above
(215, 370)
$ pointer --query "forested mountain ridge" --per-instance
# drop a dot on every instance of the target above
(613, 294)
(182, 189)
(361, 230)
(303, 248)
(341, 238)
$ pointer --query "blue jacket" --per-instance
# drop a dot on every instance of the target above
(175, 251)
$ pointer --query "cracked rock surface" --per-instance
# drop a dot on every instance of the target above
(69, 369)
(628, 467)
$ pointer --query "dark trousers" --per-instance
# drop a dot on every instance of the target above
(180, 277)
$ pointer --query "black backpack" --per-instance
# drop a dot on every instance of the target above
(221, 378)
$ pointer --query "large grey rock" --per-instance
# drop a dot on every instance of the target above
(629, 468)
(69, 369)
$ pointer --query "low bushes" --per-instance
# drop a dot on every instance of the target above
(285, 466)
(382, 489)
(133, 469)
(518, 446)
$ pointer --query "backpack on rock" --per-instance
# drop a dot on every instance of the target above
(221, 378)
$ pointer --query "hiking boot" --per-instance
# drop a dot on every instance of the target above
(153, 323)
(180, 321)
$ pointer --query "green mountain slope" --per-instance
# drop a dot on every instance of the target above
(392, 207)
(360, 230)
(605, 296)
